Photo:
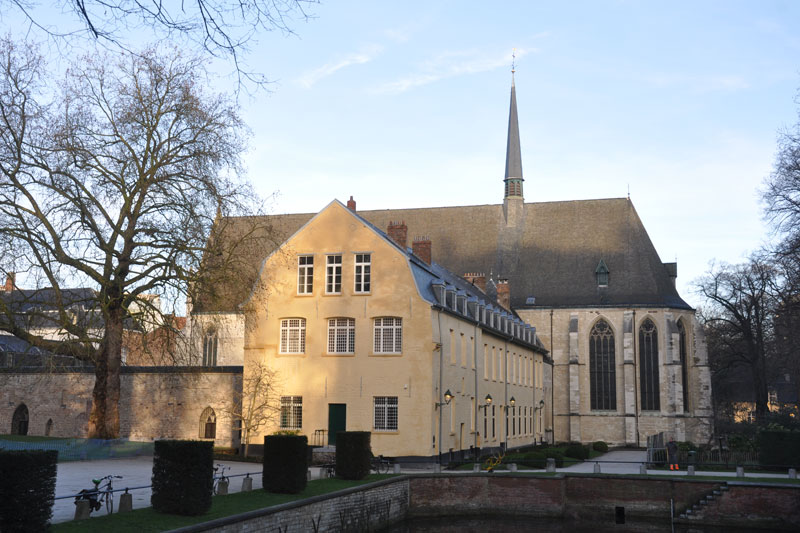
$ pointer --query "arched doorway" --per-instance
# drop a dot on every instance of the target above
(19, 422)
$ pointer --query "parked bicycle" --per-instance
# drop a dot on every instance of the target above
(99, 495)
(380, 465)
(221, 478)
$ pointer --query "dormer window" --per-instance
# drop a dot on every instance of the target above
(602, 274)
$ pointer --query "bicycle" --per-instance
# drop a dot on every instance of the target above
(379, 465)
(221, 478)
(99, 495)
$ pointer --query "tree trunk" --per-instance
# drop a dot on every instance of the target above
(104, 418)
(760, 389)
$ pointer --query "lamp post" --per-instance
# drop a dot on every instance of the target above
(488, 402)
(538, 408)
(447, 397)
(512, 402)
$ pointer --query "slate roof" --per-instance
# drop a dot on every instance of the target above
(554, 259)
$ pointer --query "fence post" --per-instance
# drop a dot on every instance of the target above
(125, 502)
(551, 464)
(690, 470)
(476, 467)
(396, 468)
(740, 471)
(597, 468)
(792, 473)
(82, 509)
(247, 483)
(643, 469)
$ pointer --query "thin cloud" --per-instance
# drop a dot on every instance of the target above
(366, 55)
(449, 65)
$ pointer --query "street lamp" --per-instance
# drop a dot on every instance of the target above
(447, 397)
(488, 401)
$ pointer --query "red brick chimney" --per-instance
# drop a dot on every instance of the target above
(477, 279)
(10, 279)
(398, 232)
(504, 293)
(422, 248)
(351, 204)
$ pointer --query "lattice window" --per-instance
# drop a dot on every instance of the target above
(293, 335)
(291, 412)
(386, 413)
(648, 366)
(210, 345)
(602, 368)
(388, 335)
(341, 335)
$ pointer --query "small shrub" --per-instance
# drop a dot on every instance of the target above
(577, 451)
(686, 446)
(353, 453)
(183, 476)
(285, 463)
(27, 489)
(600, 446)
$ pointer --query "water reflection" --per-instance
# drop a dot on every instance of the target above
(526, 524)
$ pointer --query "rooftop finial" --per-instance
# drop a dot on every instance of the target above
(513, 64)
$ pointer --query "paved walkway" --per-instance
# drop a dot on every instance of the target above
(136, 472)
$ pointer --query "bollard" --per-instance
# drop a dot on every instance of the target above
(551, 464)
(512, 467)
(247, 483)
(597, 468)
(82, 509)
(740, 471)
(643, 469)
(437, 468)
(476, 467)
(125, 502)
(792, 473)
(222, 488)
(308, 475)
(397, 468)
(690, 470)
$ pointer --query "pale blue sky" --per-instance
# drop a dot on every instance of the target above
(405, 104)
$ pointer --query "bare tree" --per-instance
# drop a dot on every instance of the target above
(258, 404)
(739, 317)
(221, 28)
(112, 179)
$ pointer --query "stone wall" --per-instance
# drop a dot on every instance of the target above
(155, 402)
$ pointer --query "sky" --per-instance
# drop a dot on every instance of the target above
(405, 104)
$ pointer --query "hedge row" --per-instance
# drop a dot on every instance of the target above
(353, 454)
(285, 463)
(183, 476)
(27, 489)
(779, 448)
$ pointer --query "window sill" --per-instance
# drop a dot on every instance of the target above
(356, 293)
(385, 354)
(331, 294)
(338, 355)
(386, 431)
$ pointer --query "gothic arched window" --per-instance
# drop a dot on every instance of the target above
(602, 369)
(210, 343)
(684, 365)
(649, 383)
(19, 421)
(208, 424)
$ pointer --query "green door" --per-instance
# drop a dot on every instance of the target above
(337, 420)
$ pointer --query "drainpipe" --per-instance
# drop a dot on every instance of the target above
(475, 372)
(552, 384)
(635, 380)
(505, 394)
(441, 398)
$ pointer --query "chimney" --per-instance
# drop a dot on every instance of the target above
(398, 232)
(351, 204)
(422, 248)
(504, 293)
(10, 279)
(477, 279)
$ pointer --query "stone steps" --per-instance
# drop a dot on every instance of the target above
(693, 513)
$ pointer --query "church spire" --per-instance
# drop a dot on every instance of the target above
(513, 179)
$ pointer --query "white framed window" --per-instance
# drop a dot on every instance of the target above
(293, 335)
(341, 335)
(333, 274)
(291, 412)
(210, 345)
(388, 335)
(363, 275)
(305, 274)
(385, 413)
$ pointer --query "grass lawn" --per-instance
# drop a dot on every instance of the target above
(144, 520)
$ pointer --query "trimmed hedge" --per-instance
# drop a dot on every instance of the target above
(779, 448)
(600, 446)
(285, 463)
(27, 489)
(353, 454)
(183, 476)
(577, 451)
